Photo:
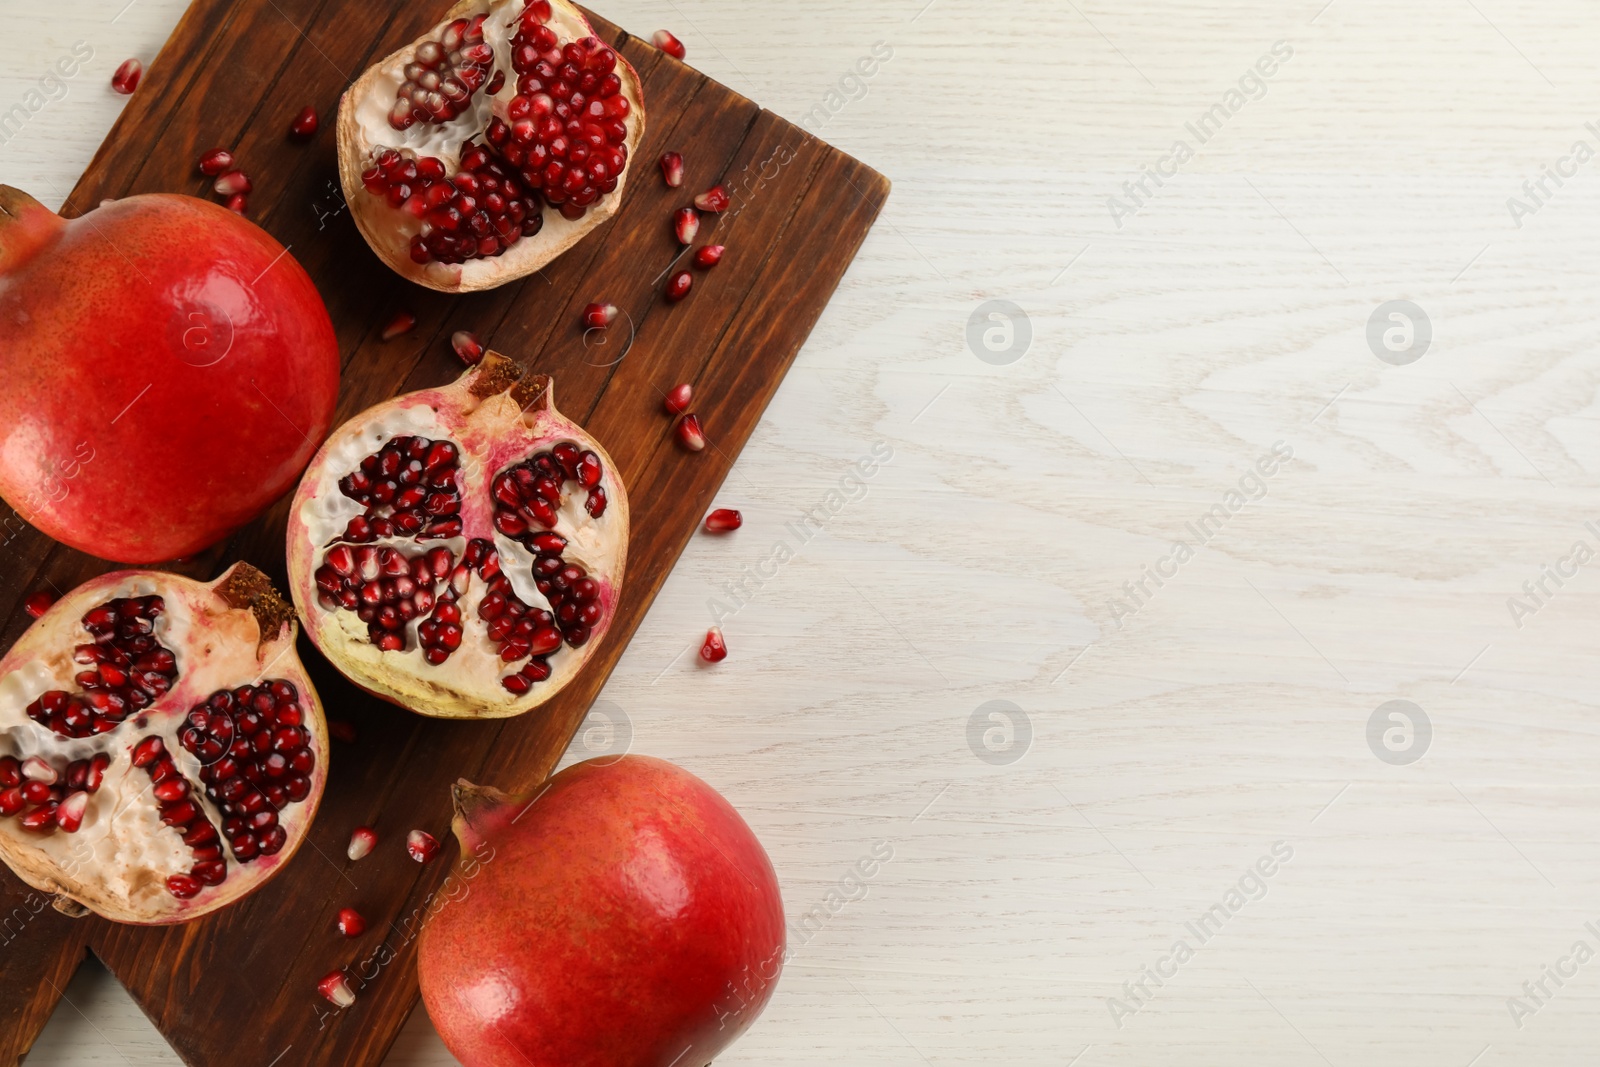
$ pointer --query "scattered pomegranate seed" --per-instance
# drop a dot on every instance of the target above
(713, 199)
(238, 203)
(467, 347)
(715, 650)
(337, 990)
(215, 162)
(669, 44)
(723, 520)
(351, 924)
(38, 603)
(402, 323)
(686, 224)
(234, 181)
(421, 845)
(708, 257)
(677, 401)
(361, 842)
(678, 285)
(690, 435)
(341, 730)
(305, 124)
(126, 78)
(672, 169)
(599, 316)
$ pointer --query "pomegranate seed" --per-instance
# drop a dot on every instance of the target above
(678, 286)
(337, 990)
(421, 845)
(708, 257)
(361, 842)
(723, 520)
(467, 347)
(234, 181)
(686, 224)
(669, 44)
(690, 435)
(599, 316)
(305, 124)
(713, 199)
(238, 203)
(215, 162)
(351, 924)
(341, 730)
(715, 650)
(35, 769)
(69, 815)
(402, 323)
(677, 401)
(182, 886)
(672, 169)
(126, 78)
(38, 603)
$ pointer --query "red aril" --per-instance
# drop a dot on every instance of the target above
(486, 148)
(361, 843)
(167, 749)
(238, 203)
(686, 225)
(38, 603)
(678, 286)
(664, 40)
(723, 520)
(403, 322)
(708, 257)
(624, 916)
(168, 371)
(421, 846)
(459, 551)
(713, 199)
(677, 401)
(232, 183)
(690, 435)
(715, 649)
(215, 162)
(305, 125)
(125, 79)
(467, 347)
(336, 988)
(599, 316)
(672, 169)
(351, 923)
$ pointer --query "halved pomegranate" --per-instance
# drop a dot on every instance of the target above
(162, 751)
(459, 551)
(481, 152)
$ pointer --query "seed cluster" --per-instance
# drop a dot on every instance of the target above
(128, 669)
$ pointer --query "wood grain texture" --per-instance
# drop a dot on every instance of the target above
(240, 986)
(1166, 356)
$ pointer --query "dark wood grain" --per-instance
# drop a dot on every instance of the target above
(238, 987)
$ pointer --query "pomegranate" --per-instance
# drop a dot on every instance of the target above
(481, 152)
(459, 551)
(162, 751)
(624, 917)
(169, 369)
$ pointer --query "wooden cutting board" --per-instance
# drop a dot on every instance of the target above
(239, 987)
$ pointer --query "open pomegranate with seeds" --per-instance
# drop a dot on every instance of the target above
(162, 751)
(479, 153)
(459, 551)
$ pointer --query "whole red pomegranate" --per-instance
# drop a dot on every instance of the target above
(622, 916)
(169, 370)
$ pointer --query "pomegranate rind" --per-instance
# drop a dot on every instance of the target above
(497, 418)
(382, 225)
(109, 878)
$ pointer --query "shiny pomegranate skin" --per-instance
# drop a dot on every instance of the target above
(169, 370)
(627, 918)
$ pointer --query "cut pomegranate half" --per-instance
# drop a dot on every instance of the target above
(485, 149)
(459, 551)
(162, 752)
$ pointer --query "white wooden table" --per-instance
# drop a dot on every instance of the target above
(1155, 743)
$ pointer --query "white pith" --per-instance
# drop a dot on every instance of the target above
(118, 861)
